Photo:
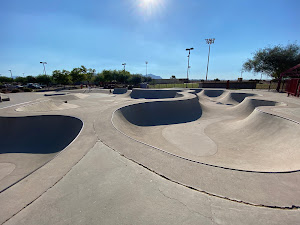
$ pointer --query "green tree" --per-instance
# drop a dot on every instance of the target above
(30, 79)
(123, 77)
(90, 75)
(5, 79)
(99, 78)
(61, 77)
(272, 61)
(108, 75)
(135, 79)
(44, 79)
(21, 80)
(146, 79)
(78, 74)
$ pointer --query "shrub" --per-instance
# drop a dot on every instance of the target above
(27, 90)
(15, 91)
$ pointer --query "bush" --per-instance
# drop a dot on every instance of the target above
(4, 90)
(15, 91)
(27, 90)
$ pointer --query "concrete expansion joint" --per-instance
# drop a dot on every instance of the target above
(279, 116)
(292, 207)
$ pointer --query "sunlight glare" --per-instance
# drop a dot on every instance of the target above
(150, 7)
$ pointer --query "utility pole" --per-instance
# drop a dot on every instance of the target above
(10, 74)
(44, 67)
(209, 41)
(124, 64)
(146, 68)
(187, 72)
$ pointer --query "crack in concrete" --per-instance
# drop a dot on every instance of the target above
(292, 207)
(188, 208)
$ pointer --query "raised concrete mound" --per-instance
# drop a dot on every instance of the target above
(247, 106)
(30, 142)
(45, 106)
(233, 98)
(154, 94)
(4, 98)
(211, 93)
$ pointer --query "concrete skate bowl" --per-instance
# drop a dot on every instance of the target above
(138, 93)
(28, 143)
(243, 137)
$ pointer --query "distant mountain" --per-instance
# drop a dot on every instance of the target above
(153, 76)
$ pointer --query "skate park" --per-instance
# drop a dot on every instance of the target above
(214, 156)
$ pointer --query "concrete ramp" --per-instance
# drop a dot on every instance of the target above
(259, 142)
(27, 143)
(233, 98)
(154, 94)
(69, 97)
(211, 93)
(247, 106)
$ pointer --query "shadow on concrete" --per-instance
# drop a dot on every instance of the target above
(162, 112)
(154, 94)
(37, 134)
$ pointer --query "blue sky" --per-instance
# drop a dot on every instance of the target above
(105, 34)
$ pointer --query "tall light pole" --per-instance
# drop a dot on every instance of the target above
(146, 67)
(187, 72)
(10, 73)
(124, 64)
(209, 41)
(44, 67)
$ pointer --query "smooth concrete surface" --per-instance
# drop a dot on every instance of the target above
(220, 167)
(29, 142)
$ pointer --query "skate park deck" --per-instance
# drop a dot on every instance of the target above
(237, 148)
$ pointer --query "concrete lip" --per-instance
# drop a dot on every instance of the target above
(30, 142)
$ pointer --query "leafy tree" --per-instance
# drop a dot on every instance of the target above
(78, 74)
(61, 77)
(30, 79)
(173, 77)
(90, 75)
(135, 79)
(99, 79)
(146, 79)
(273, 61)
(108, 75)
(5, 79)
(21, 80)
(44, 79)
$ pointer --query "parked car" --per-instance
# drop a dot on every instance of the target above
(33, 86)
